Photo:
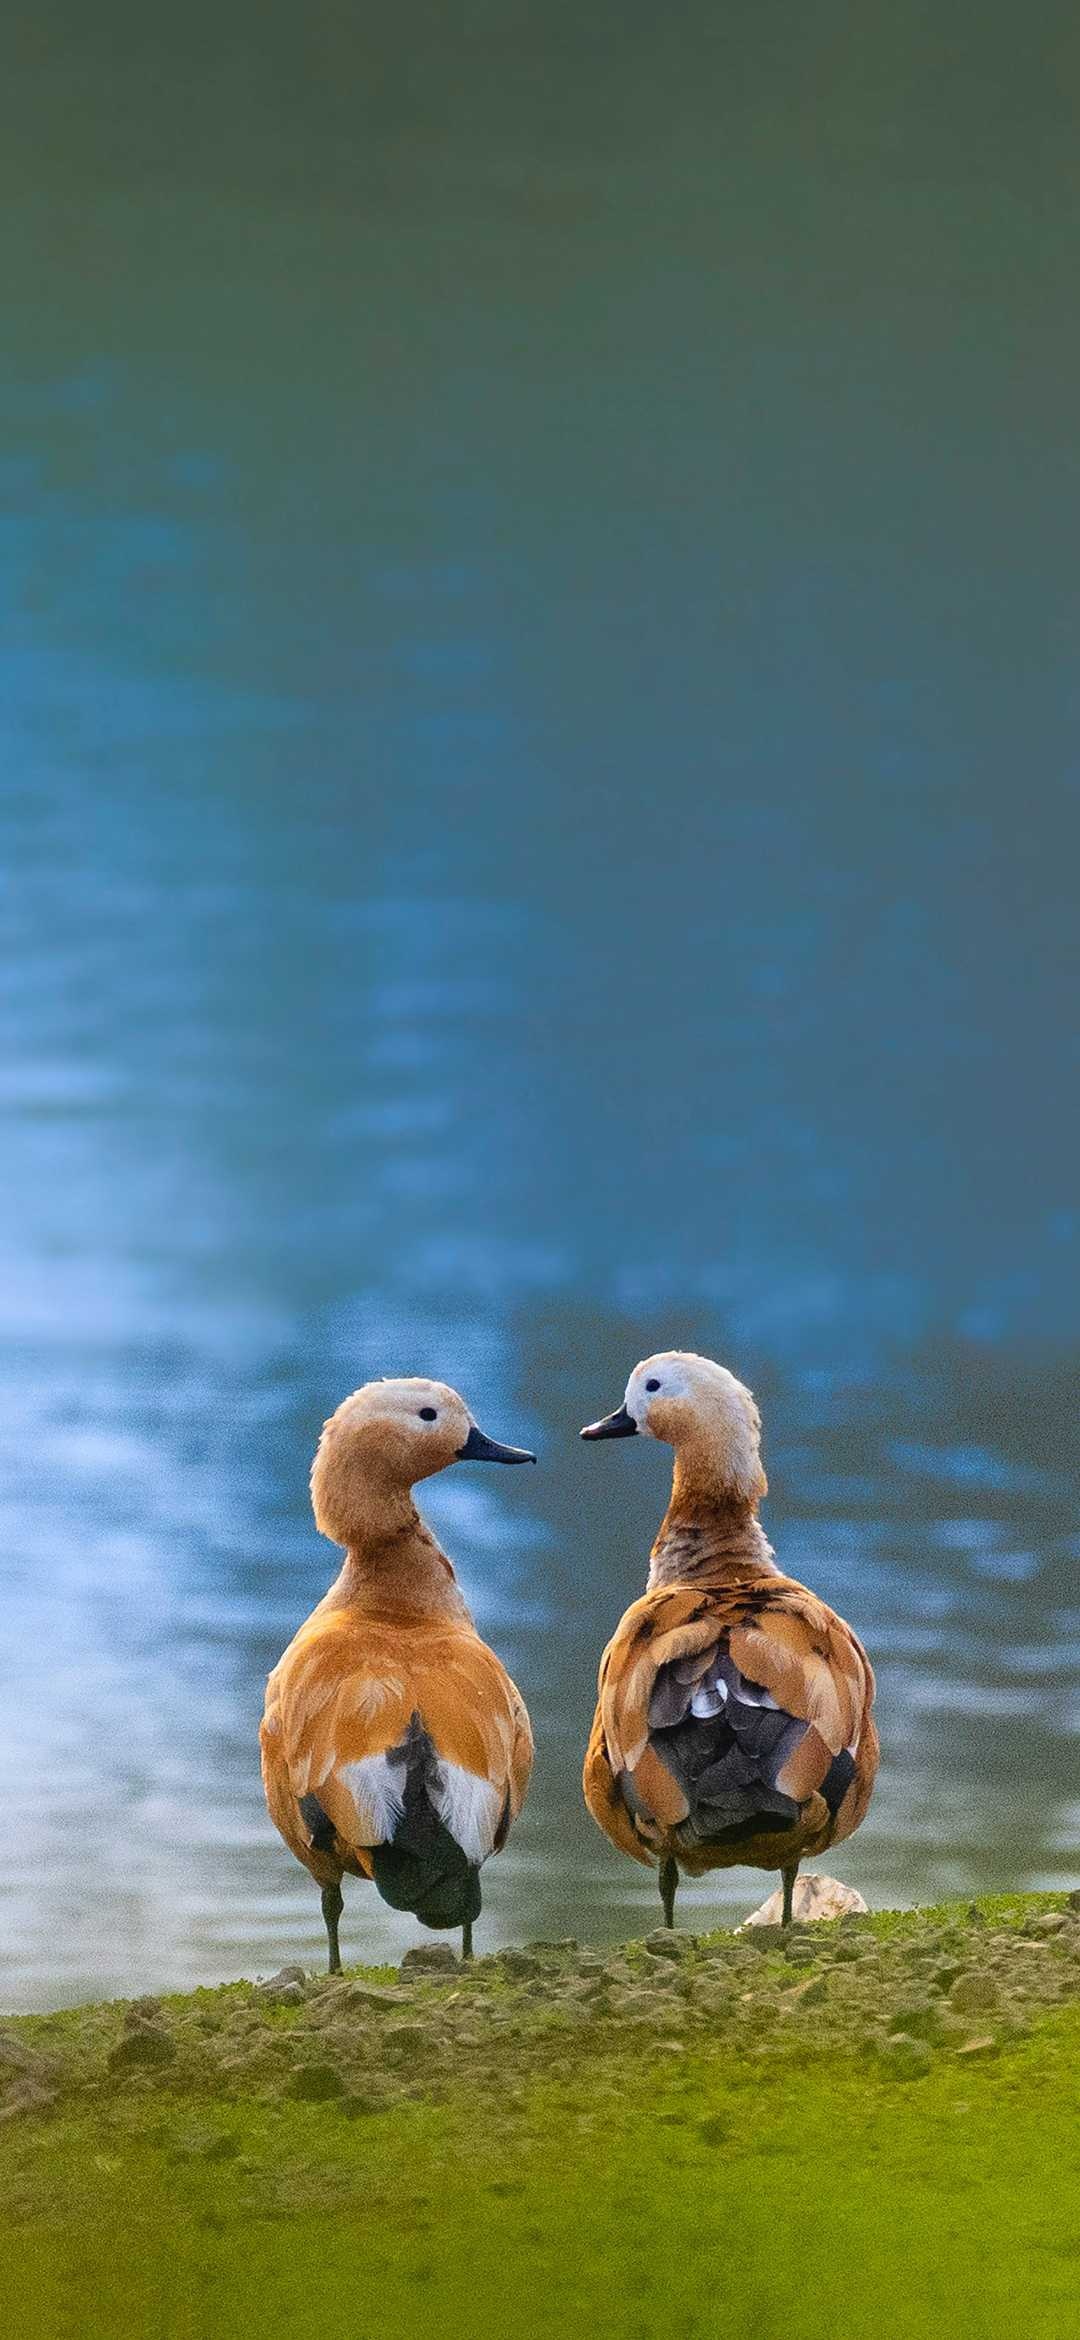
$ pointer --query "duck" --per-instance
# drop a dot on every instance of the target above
(734, 1721)
(394, 1745)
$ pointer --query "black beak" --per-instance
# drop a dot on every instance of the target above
(620, 1424)
(478, 1448)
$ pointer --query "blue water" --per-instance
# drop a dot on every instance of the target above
(539, 778)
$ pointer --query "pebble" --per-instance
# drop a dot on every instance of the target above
(905, 2058)
(371, 1998)
(15, 2056)
(916, 2018)
(429, 1958)
(143, 2045)
(972, 1993)
(710, 1999)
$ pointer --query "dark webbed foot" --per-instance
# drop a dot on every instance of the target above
(332, 1906)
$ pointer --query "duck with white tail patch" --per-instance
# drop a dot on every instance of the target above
(734, 1722)
(395, 1747)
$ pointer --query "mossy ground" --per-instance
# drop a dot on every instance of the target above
(869, 2127)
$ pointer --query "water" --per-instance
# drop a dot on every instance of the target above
(540, 801)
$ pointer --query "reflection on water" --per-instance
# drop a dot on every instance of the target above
(539, 823)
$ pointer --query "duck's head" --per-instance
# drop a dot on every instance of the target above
(700, 1409)
(387, 1436)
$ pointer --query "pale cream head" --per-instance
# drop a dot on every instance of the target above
(700, 1409)
(391, 1434)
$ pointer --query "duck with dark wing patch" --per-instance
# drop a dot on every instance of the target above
(394, 1744)
(734, 1720)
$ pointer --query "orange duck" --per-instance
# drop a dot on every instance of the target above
(394, 1744)
(734, 1720)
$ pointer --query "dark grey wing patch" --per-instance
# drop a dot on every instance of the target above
(838, 1778)
(725, 1740)
(322, 1833)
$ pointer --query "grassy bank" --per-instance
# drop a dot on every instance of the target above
(870, 2126)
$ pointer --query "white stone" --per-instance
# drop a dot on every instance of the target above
(814, 1897)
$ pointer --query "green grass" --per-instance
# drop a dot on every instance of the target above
(660, 2179)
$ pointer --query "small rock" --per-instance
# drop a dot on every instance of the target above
(905, 2058)
(284, 1976)
(814, 1899)
(916, 2019)
(371, 1998)
(429, 1958)
(662, 1943)
(403, 2037)
(664, 1974)
(144, 2046)
(287, 1994)
(315, 2083)
(985, 2045)
(15, 2056)
(1047, 1921)
(972, 1994)
(711, 2000)
(637, 2006)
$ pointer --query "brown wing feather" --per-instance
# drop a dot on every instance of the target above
(782, 1638)
(603, 1798)
(347, 1687)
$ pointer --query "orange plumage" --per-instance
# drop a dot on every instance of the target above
(394, 1744)
(734, 1719)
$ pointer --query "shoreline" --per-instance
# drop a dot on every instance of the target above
(849, 2124)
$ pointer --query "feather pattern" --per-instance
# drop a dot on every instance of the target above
(339, 1707)
(733, 1725)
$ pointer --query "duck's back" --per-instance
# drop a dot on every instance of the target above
(733, 1725)
(399, 1750)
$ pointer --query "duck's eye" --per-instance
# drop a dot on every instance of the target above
(651, 1385)
(428, 1414)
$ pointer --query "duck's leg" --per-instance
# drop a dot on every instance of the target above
(466, 1938)
(789, 1876)
(332, 1906)
(669, 1881)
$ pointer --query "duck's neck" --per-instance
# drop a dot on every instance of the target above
(394, 1567)
(708, 1534)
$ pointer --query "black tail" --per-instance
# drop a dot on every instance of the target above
(423, 1868)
